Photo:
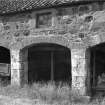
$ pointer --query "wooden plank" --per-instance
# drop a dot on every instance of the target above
(94, 55)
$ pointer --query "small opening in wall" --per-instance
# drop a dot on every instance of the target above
(44, 20)
(88, 18)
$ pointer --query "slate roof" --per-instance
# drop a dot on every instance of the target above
(12, 6)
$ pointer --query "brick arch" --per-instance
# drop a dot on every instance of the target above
(54, 40)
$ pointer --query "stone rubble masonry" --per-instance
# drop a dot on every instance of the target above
(78, 28)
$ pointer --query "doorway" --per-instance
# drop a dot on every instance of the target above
(49, 62)
(98, 67)
(5, 66)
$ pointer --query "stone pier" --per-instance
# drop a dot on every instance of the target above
(79, 72)
(15, 67)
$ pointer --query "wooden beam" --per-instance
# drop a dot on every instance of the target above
(94, 55)
(52, 66)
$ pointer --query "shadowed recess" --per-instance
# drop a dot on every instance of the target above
(49, 62)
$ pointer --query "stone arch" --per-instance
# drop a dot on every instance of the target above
(49, 39)
(59, 41)
(5, 46)
(95, 40)
(95, 58)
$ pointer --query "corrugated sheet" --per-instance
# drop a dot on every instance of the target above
(11, 6)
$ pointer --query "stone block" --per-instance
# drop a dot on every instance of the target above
(78, 81)
(15, 55)
(78, 67)
(81, 100)
(83, 9)
(79, 85)
(78, 53)
(95, 7)
(95, 39)
(15, 65)
(15, 77)
(99, 16)
(78, 62)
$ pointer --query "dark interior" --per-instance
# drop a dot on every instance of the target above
(4, 68)
(49, 62)
(98, 66)
(4, 55)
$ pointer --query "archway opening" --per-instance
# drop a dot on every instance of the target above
(4, 65)
(97, 71)
(49, 62)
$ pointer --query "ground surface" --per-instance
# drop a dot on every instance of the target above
(45, 94)
(6, 100)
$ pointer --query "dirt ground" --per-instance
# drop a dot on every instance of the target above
(5, 100)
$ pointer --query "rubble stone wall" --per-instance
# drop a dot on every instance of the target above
(76, 27)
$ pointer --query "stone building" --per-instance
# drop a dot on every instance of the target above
(60, 40)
